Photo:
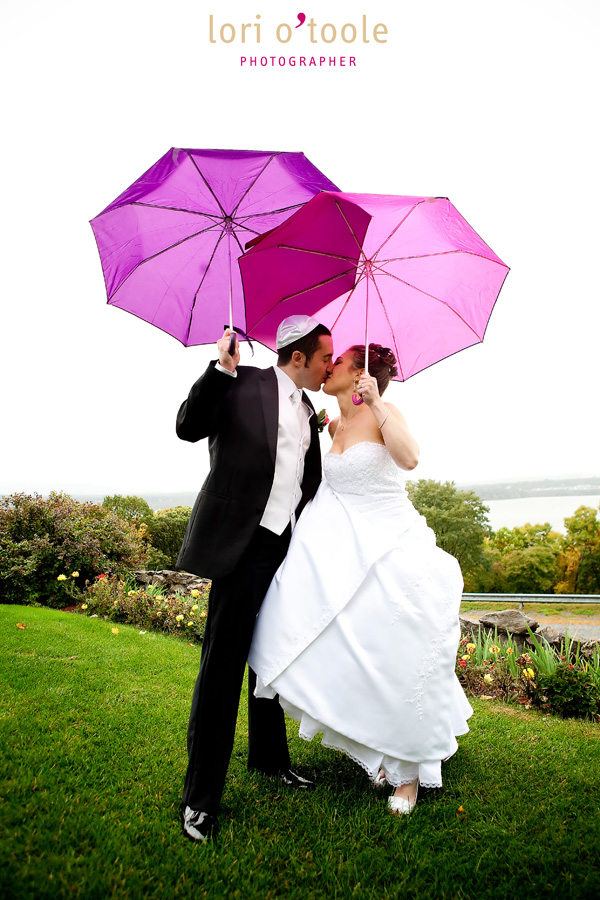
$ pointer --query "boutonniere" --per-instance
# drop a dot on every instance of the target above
(322, 420)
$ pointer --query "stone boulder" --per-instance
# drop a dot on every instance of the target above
(551, 635)
(509, 621)
(172, 582)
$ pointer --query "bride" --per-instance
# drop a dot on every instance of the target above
(359, 630)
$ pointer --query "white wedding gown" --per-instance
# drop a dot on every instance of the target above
(359, 629)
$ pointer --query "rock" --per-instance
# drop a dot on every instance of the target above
(509, 621)
(555, 638)
(172, 582)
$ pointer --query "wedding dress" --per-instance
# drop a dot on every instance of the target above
(359, 629)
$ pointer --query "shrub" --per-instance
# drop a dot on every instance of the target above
(570, 691)
(121, 600)
(50, 547)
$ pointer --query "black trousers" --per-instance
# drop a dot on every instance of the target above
(233, 605)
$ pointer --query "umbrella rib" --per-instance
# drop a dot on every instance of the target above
(312, 287)
(399, 225)
(250, 186)
(346, 302)
(384, 262)
(198, 289)
(165, 250)
(268, 212)
(349, 226)
(198, 170)
(191, 212)
(433, 297)
(325, 253)
(387, 318)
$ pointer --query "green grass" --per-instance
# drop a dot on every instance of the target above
(533, 609)
(92, 731)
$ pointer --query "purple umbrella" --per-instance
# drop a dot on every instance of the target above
(425, 282)
(169, 243)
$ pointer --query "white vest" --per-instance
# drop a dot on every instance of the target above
(293, 440)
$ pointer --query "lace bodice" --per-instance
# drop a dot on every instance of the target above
(365, 468)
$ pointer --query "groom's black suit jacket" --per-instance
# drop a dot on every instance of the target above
(240, 418)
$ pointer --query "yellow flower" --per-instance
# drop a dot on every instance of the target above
(494, 649)
(203, 615)
(62, 578)
(74, 574)
(488, 679)
(115, 630)
(471, 648)
(194, 608)
(509, 651)
(466, 656)
(84, 606)
(131, 593)
(189, 623)
(528, 673)
(178, 618)
(194, 593)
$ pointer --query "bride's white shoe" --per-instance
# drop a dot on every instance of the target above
(400, 805)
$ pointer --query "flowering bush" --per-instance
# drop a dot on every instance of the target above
(570, 691)
(49, 547)
(557, 681)
(121, 600)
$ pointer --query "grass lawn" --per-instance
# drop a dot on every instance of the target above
(92, 729)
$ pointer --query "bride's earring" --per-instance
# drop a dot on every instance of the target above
(355, 397)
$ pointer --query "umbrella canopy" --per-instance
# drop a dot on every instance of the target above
(170, 242)
(307, 262)
(425, 283)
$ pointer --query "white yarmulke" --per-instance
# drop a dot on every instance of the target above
(293, 328)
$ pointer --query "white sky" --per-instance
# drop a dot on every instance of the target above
(493, 104)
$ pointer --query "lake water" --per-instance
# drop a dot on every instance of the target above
(536, 510)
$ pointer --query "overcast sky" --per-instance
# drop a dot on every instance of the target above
(493, 104)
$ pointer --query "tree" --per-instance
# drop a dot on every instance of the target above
(458, 518)
(522, 560)
(166, 532)
(580, 560)
(133, 509)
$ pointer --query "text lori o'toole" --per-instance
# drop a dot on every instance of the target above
(251, 32)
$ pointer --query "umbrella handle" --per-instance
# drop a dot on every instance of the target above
(232, 344)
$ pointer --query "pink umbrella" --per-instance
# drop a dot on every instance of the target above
(169, 243)
(425, 283)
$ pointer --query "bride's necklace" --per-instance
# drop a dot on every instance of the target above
(348, 420)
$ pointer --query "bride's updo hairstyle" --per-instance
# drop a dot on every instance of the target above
(382, 363)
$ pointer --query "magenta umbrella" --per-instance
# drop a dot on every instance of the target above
(170, 242)
(425, 283)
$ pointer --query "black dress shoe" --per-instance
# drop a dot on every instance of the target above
(197, 825)
(292, 780)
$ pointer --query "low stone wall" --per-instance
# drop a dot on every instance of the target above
(172, 582)
(515, 623)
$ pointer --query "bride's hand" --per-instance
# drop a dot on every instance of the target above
(367, 388)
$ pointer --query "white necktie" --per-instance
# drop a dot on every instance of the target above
(296, 399)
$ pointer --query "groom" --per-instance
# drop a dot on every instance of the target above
(265, 465)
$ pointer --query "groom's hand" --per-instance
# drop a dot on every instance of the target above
(226, 359)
